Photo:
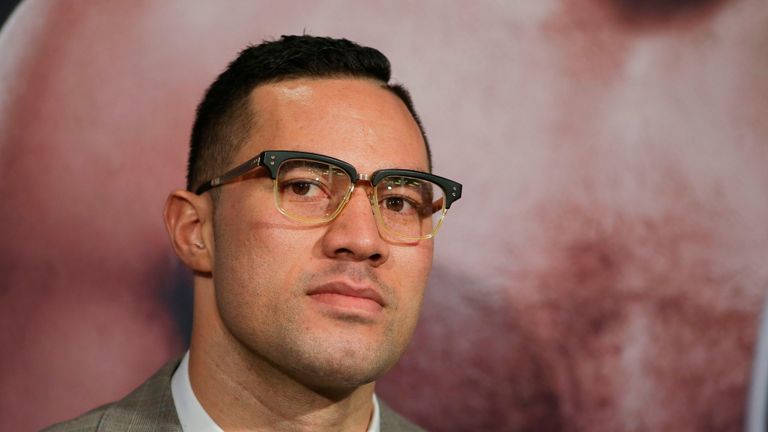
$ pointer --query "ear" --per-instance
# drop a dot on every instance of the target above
(187, 219)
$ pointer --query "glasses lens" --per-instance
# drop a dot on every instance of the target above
(310, 190)
(410, 207)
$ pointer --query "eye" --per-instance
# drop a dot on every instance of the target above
(301, 188)
(304, 189)
(398, 204)
(394, 204)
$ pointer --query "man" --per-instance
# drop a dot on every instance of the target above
(308, 222)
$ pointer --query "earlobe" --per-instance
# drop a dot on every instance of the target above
(187, 219)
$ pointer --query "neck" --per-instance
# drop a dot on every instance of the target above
(243, 391)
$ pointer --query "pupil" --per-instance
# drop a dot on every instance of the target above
(394, 204)
(300, 188)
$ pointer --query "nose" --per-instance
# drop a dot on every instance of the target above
(353, 235)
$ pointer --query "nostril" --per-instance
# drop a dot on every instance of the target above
(375, 257)
(344, 251)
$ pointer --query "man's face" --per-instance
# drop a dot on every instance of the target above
(290, 293)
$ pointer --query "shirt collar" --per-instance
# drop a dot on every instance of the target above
(192, 415)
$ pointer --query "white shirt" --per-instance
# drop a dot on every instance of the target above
(192, 415)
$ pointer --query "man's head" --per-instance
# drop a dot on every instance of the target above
(225, 117)
(331, 305)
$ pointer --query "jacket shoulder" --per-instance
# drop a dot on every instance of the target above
(148, 408)
(86, 422)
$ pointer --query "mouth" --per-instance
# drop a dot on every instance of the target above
(341, 295)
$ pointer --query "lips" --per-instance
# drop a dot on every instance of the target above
(347, 296)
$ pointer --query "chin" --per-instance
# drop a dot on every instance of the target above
(345, 369)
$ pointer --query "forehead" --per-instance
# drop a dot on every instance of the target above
(356, 120)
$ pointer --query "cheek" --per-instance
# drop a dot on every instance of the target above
(244, 254)
(411, 266)
(259, 253)
(413, 261)
(257, 269)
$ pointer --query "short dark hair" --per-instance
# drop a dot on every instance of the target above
(224, 117)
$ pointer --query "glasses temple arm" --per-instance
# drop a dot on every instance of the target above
(230, 175)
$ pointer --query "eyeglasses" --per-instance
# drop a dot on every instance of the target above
(313, 188)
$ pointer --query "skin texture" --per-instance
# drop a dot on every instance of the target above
(266, 352)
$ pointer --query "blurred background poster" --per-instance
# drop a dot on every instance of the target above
(605, 270)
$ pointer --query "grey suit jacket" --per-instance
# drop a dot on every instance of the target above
(150, 408)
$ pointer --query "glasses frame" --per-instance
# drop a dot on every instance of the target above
(273, 159)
